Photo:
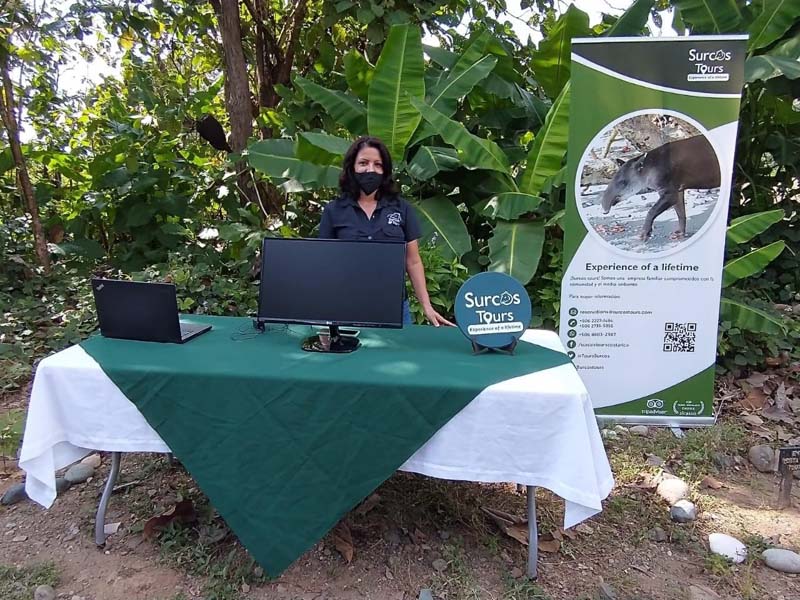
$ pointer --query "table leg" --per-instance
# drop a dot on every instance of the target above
(100, 519)
(533, 534)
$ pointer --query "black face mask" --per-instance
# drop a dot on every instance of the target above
(369, 182)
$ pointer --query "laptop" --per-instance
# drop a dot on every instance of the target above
(148, 312)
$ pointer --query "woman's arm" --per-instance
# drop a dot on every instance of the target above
(416, 273)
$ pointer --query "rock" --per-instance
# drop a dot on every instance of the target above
(16, 493)
(439, 564)
(701, 592)
(796, 309)
(62, 485)
(425, 594)
(654, 461)
(639, 430)
(782, 560)
(683, 511)
(656, 534)
(620, 429)
(606, 592)
(723, 461)
(93, 460)
(516, 573)
(673, 489)
(20, 538)
(727, 546)
(609, 434)
(782, 307)
(44, 592)
(258, 572)
(762, 458)
(78, 473)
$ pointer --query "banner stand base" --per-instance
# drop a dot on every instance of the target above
(672, 422)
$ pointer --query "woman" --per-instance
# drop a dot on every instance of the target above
(369, 208)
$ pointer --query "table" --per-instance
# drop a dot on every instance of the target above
(536, 429)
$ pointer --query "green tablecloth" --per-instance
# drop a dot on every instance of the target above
(285, 442)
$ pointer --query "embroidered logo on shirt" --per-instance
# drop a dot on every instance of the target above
(394, 218)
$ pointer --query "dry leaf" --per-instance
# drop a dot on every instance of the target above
(182, 512)
(569, 533)
(111, 528)
(549, 546)
(368, 505)
(773, 361)
(780, 397)
(511, 525)
(754, 400)
(778, 414)
(757, 380)
(783, 435)
(753, 420)
(584, 528)
(245, 588)
(417, 537)
(343, 541)
(710, 482)
(556, 533)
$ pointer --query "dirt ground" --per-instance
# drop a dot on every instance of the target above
(416, 533)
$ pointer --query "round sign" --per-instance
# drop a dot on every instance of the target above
(492, 309)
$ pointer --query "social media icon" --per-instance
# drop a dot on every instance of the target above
(572, 322)
(572, 333)
(571, 344)
(571, 354)
(573, 311)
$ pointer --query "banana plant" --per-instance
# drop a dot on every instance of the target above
(453, 171)
(740, 231)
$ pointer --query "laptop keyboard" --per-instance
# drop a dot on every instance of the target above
(188, 329)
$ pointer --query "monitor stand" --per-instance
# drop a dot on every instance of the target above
(332, 342)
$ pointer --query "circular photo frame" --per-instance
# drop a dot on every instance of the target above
(648, 184)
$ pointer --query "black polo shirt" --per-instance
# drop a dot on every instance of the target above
(393, 219)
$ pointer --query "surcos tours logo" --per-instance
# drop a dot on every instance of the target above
(707, 65)
(488, 302)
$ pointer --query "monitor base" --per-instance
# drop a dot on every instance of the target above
(334, 342)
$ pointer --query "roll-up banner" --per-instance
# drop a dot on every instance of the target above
(652, 132)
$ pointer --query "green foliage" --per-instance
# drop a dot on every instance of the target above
(19, 583)
(443, 278)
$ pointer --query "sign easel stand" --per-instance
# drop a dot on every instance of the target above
(480, 348)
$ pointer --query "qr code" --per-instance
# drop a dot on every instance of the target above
(679, 337)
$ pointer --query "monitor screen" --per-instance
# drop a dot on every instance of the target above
(332, 282)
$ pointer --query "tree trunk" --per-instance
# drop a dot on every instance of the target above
(238, 89)
(7, 110)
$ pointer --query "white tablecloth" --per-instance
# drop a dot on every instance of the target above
(538, 429)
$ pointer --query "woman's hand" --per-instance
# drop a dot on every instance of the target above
(435, 318)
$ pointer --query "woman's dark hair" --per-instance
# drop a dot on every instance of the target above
(347, 180)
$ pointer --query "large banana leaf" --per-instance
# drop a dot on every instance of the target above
(551, 62)
(276, 158)
(358, 73)
(633, 20)
(751, 319)
(776, 17)
(516, 247)
(429, 160)
(711, 16)
(509, 205)
(321, 148)
(459, 83)
(441, 222)
(399, 77)
(473, 151)
(344, 109)
(443, 58)
(445, 95)
(745, 228)
(549, 146)
(766, 66)
(751, 263)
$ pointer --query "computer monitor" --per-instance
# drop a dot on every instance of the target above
(334, 283)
